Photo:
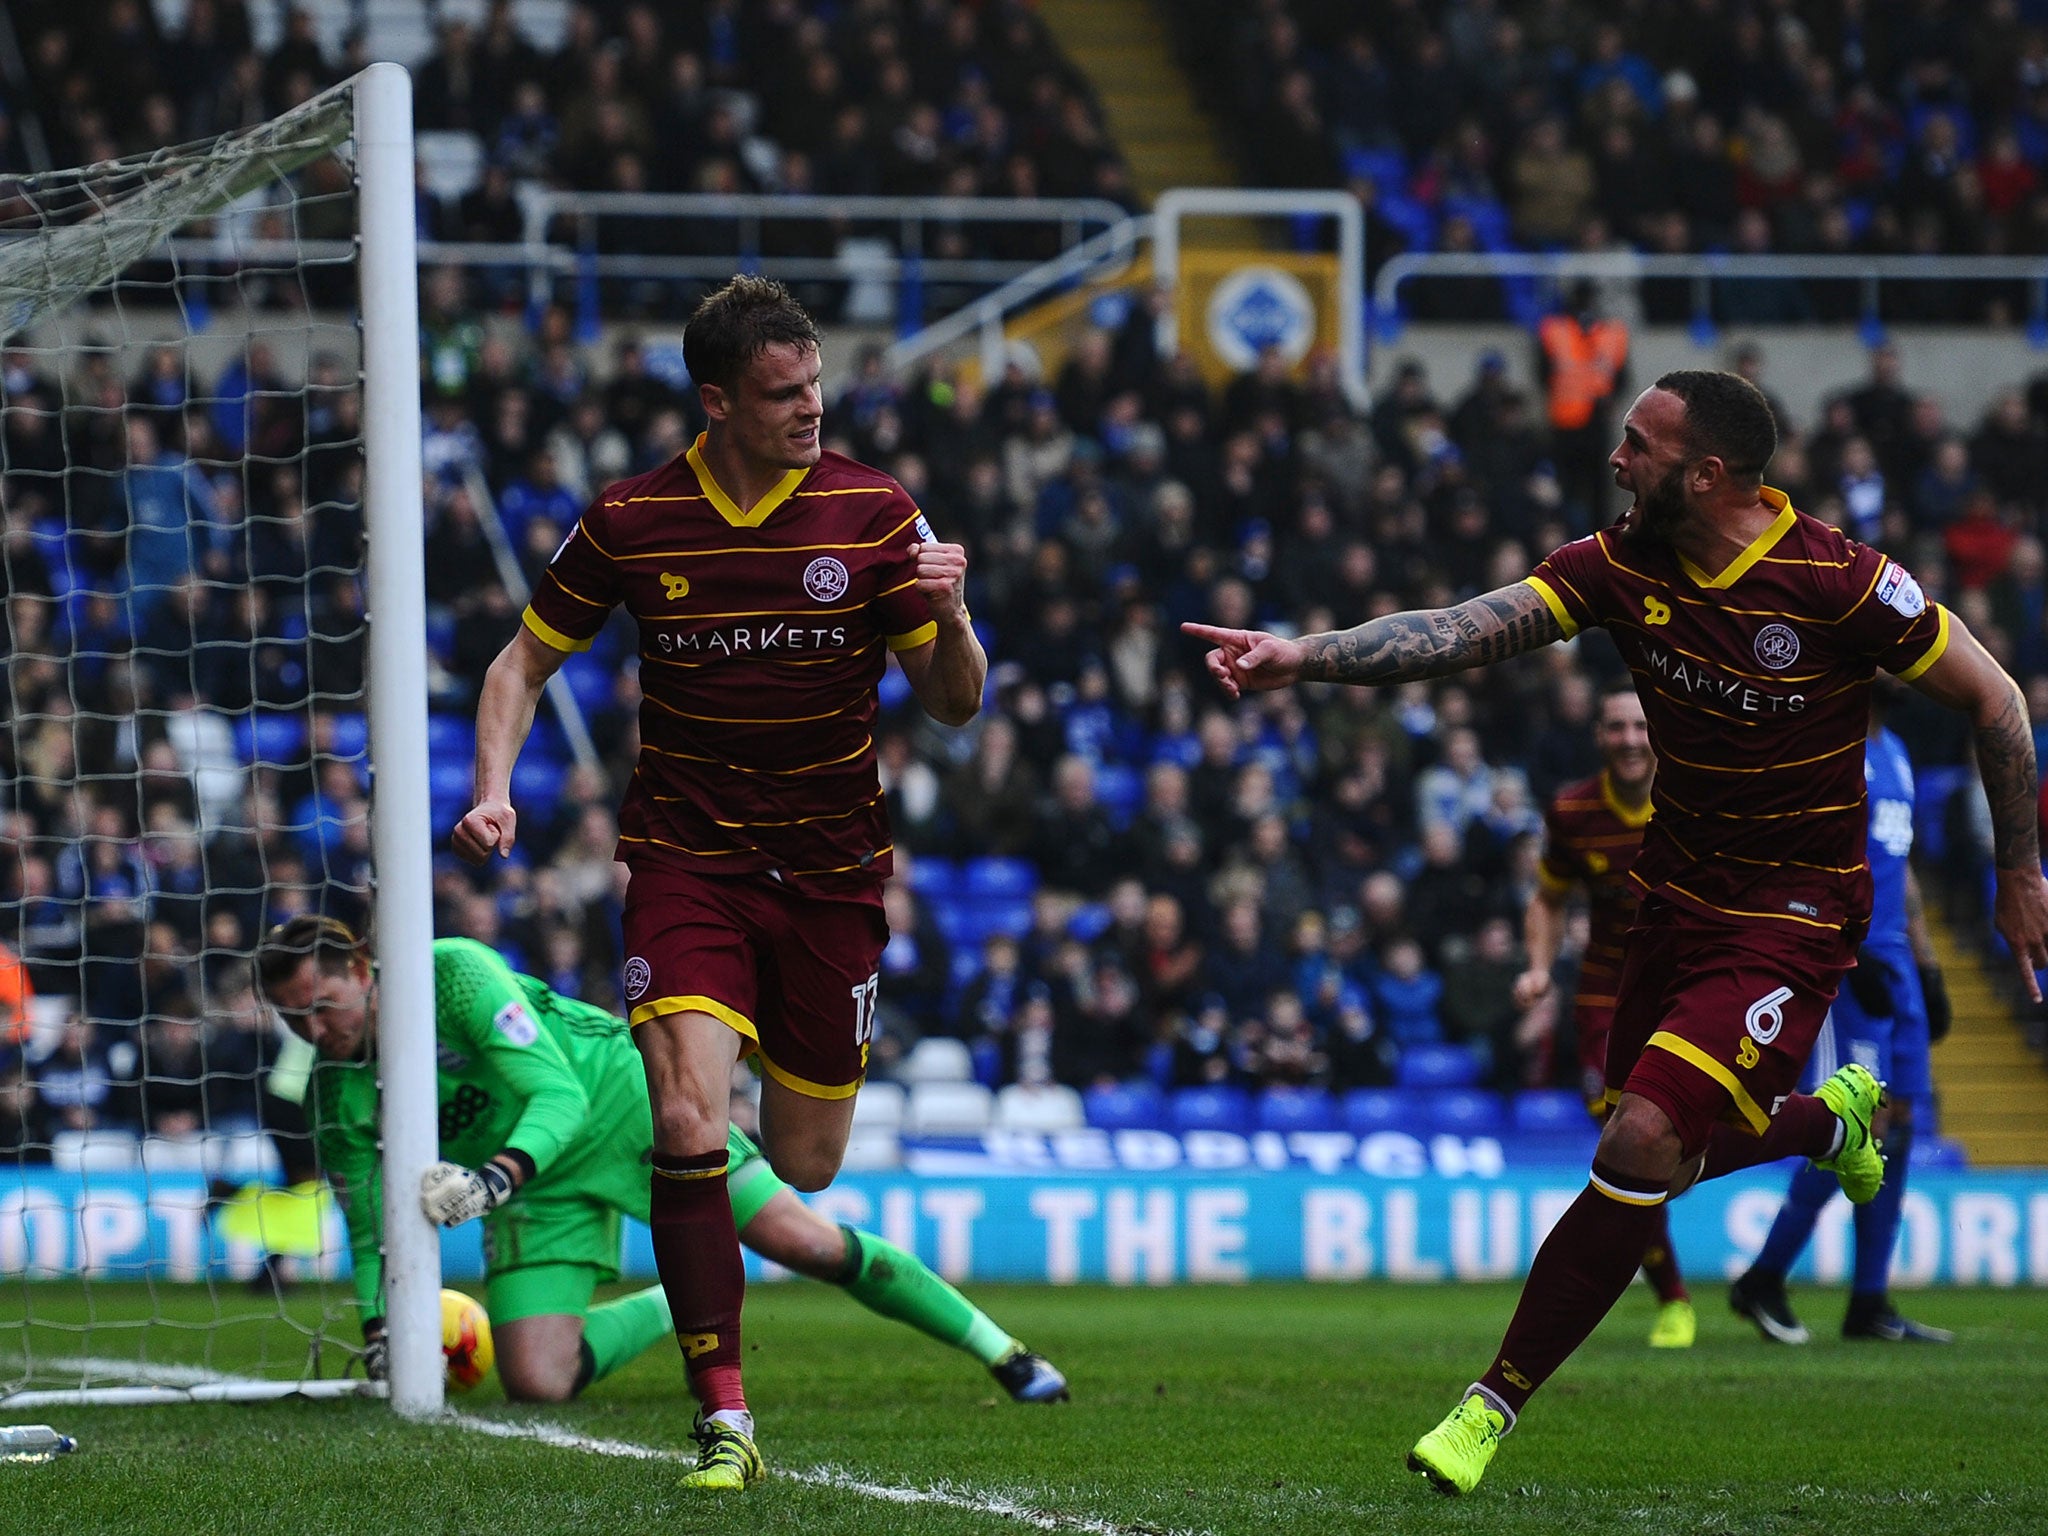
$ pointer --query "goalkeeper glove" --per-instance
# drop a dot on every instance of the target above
(1867, 984)
(376, 1352)
(451, 1194)
(1939, 1014)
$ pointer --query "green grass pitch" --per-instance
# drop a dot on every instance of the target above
(1251, 1411)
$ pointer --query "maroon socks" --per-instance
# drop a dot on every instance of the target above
(697, 1251)
(1660, 1263)
(1580, 1271)
(1803, 1127)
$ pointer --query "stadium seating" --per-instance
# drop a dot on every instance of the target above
(1124, 1107)
(1368, 1111)
(948, 1109)
(1209, 1109)
(1463, 1112)
(1043, 1107)
(937, 1059)
(1549, 1112)
(1438, 1066)
(1296, 1109)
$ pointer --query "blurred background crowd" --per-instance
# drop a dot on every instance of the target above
(1111, 876)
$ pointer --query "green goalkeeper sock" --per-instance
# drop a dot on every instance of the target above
(619, 1330)
(885, 1279)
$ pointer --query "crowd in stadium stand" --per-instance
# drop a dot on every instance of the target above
(1110, 876)
(1829, 128)
(908, 97)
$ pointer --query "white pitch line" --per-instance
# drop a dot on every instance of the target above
(946, 1495)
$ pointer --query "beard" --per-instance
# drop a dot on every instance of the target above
(1661, 507)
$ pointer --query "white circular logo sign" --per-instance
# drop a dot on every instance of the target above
(1777, 647)
(1259, 307)
(825, 579)
(638, 974)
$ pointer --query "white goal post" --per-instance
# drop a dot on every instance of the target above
(98, 277)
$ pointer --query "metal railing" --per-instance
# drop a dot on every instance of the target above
(1106, 255)
(1704, 271)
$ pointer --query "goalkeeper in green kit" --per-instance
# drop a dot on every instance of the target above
(546, 1135)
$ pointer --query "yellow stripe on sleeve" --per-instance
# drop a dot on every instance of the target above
(550, 636)
(1935, 651)
(924, 634)
(1555, 603)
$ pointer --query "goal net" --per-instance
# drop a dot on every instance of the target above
(187, 451)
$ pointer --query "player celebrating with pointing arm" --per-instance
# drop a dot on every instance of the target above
(1753, 633)
(769, 581)
(1592, 832)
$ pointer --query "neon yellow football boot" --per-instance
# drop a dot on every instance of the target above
(1677, 1326)
(1855, 1097)
(1453, 1456)
(726, 1459)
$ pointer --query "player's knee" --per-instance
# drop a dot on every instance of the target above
(807, 1168)
(528, 1380)
(1640, 1138)
(684, 1126)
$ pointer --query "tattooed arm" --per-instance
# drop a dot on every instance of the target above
(1967, 679)
(1399, 648)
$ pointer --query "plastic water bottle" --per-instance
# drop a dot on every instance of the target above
(33, 1442)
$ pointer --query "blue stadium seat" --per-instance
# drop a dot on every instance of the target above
(1000, 877)
(441, 632)
(972, 922)
(1210, 1109)
(1124, 1107)
(448, 779)
(351, 737)
(537, 781)
(934, 879)
(1464, 1112)
(451, 736)
(1089, 922)
(1386, 169)
(1437, 1066)
(1120, 790)
(270, 738)
(1549, 1112)
(894, 690)
(1365, 1111)
(590, 680)
(1296, 1109)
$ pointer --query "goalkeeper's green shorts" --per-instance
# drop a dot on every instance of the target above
(578, 1237)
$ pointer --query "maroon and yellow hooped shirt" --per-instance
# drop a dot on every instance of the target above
(763, 635)
(1756, 685)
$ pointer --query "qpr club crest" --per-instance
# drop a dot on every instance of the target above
(1777, 646)
(638, 974)
(825, 579)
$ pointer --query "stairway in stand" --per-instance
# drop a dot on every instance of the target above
(1121, 45)
(1993, 1089)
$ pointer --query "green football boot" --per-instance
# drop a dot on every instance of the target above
(1677, 1326)
(726, 1459)
(1453, 1456)
(1855, 1096)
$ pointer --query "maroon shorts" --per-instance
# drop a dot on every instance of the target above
(1715, 1020)
(793, 974)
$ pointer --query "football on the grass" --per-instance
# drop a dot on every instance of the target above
(465, 1340)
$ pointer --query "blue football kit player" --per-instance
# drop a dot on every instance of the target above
(1881, 1018)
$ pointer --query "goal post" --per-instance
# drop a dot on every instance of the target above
(400, 832)
(215, 666)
